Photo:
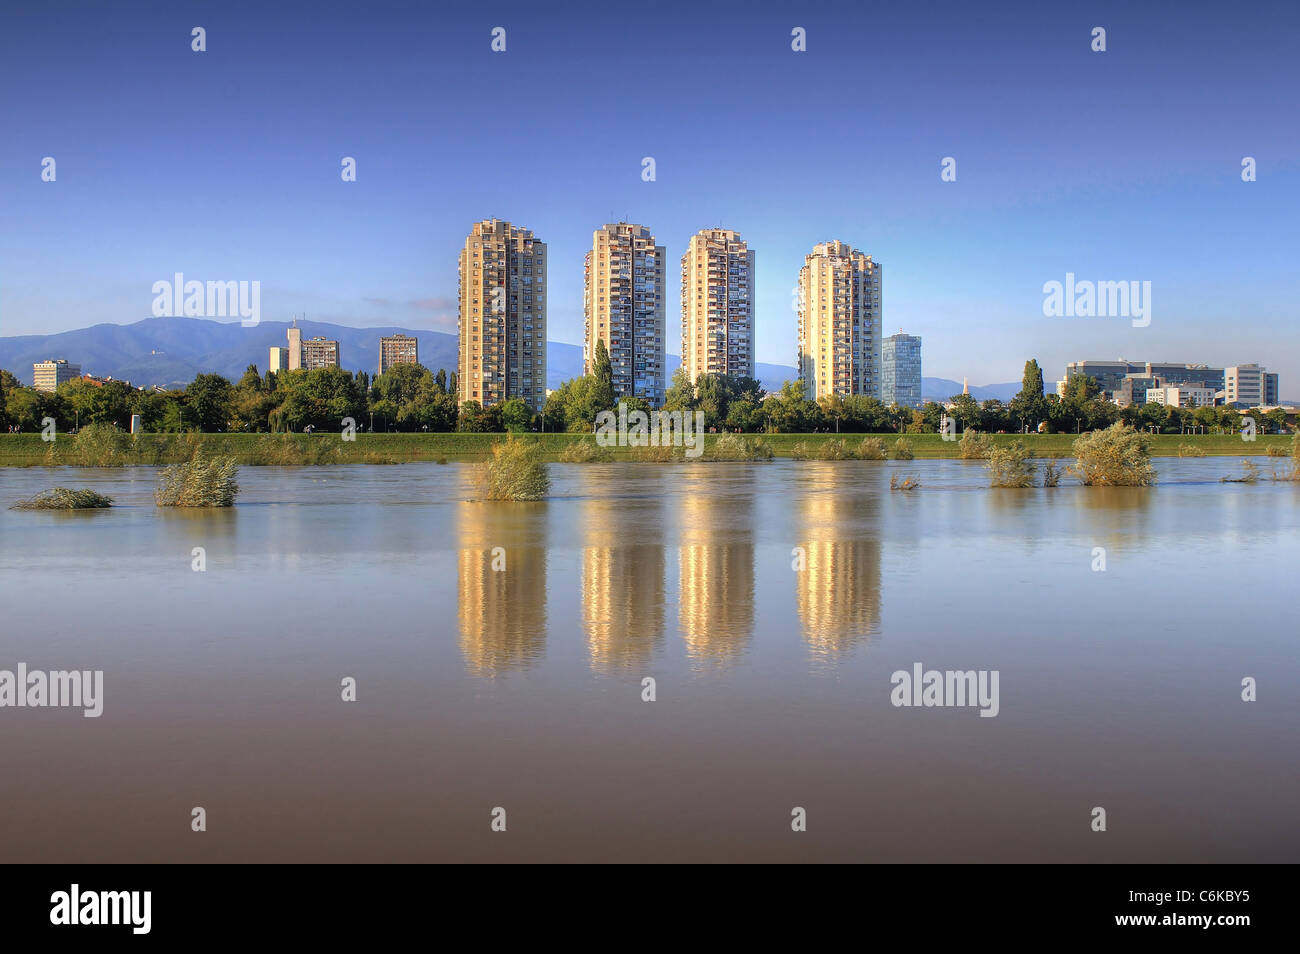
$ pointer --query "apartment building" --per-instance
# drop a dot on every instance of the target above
(49, 374)
(319, 352)
(398, 349)
(718, 305)
(900, 371)
(502, 325)
(839, 322)
(624, 306)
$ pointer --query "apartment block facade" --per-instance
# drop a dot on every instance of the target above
(398, 349)
(839, 322)
(718, 305)
(49, 374)
(502, 324)
(624, 306)
(318, 352)
(900, 371)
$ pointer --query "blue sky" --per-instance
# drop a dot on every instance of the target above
(224, 165)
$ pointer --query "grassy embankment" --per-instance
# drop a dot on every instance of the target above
(28, 450)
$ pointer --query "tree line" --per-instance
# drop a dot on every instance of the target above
(410, 397)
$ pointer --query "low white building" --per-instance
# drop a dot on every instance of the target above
(1181, 395)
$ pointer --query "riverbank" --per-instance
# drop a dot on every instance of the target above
(28, 450)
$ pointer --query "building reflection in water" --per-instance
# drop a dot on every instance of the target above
(623, 568)
(716, 561)
(837, 594)
(502, 611)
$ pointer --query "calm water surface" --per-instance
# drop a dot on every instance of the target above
(522, 688)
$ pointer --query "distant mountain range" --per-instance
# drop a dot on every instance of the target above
(171, 351)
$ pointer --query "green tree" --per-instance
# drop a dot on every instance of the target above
(1028, 406)
(602, 371)
(680, 395)
(515, 415)
(209, 399)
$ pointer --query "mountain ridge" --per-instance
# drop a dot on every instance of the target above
(171, 351)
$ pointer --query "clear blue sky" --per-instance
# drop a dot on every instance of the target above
(225, 165)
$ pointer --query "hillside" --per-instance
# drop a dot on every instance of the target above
(171, 351)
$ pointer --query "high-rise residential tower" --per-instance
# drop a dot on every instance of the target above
(718, 305)
(839, 322)
(623, 299)
(900, 371)
(398, 349)
(502, 352)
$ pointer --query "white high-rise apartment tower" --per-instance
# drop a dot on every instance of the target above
(839, 322)
(623, 300)
(718, 305)
(502, 352)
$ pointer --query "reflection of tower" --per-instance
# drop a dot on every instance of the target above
(502, 586)
(623, 581)
(716, 564)
(838, 593)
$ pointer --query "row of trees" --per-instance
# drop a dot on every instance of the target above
(410, 397)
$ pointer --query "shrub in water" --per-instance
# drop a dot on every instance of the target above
(1119, 456)
(1009, 466)
(1250, 473)
(871, 448)
(834, 450)
(61, 498)
(652, 454)
(585, 452)
(902, 449)
(903, 483)
(1051, 474)
(200, 482)
(731, 446)
(1191, 450)
(974, 445)
(516, 471)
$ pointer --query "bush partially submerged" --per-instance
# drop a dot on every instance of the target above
(974, 445)
(1009, 466)
(738, 447)
(585, 451)
(1118, 456)
(871, 448)
(1249, 473)
(1051, 474)
(61, 498)
(903, 483)
(655, 454)
(199, 482)
(1191, 450)
(903, 449)
(516, 471)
